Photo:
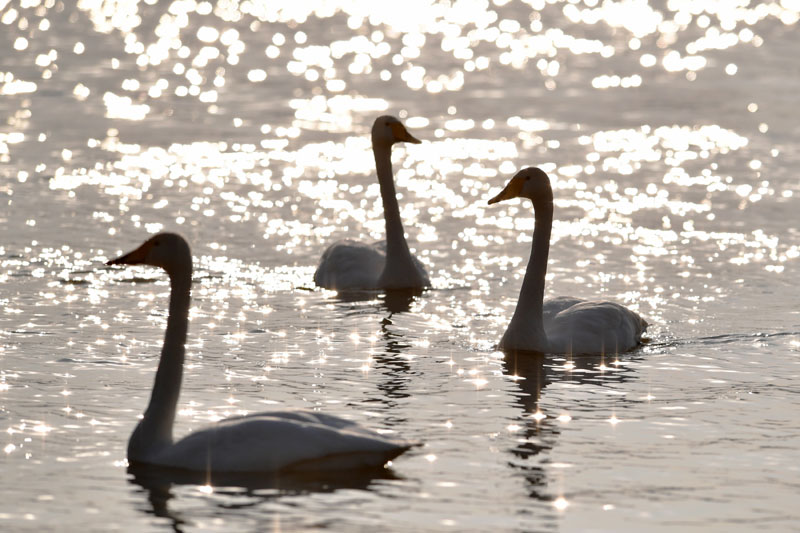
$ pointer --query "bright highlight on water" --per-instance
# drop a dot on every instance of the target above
(666, 131)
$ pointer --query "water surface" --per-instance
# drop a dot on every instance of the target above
(667, 128)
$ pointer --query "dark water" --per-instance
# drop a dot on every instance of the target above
(668, 128)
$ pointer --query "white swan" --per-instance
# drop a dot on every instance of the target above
(563, 325)
(263, 442)
(388, 264)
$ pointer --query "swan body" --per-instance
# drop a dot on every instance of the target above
(349, 264)
(563, 325)
(272, 441)
(353, 265)
(263, 442)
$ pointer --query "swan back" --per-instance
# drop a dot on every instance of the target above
(594, 327)
(350, 264)
(280, 440)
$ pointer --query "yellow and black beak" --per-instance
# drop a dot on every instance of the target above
(401, 134)
(512, 190)
(136, 257)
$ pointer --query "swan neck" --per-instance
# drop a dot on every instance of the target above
(396, 245)
(528, 313)
(156, 426)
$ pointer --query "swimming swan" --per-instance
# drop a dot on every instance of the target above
(388, 264)
(263, 442)
(563, 325)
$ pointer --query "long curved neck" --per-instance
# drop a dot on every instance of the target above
(528, 313)
(156, 426)
(397, 251)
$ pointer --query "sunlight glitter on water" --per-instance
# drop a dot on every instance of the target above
(246, 127)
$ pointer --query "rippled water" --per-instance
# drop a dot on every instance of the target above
(669, 130)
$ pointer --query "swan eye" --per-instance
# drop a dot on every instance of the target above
(157, 243)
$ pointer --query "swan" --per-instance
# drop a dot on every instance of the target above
(349, 264)
(269, 441)
(563, 325)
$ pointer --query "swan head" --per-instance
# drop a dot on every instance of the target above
(388, 130)
(169, 251)
(531, 183)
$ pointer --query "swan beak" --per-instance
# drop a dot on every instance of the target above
(512, 190)
(136, 257)
(401, 134)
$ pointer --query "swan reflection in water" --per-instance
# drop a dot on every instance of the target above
(539, 431)
(389, 358)
(395, 373)
(158, 483)
(392, 300)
